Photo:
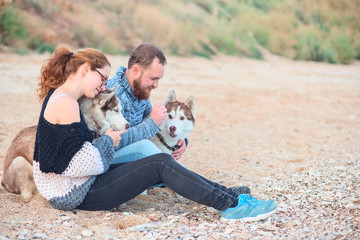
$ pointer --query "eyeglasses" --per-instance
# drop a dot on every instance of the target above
(103, 78)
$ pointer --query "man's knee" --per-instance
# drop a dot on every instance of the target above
(147, 148)
(135, 151)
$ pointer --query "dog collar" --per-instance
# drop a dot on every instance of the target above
(165, 144)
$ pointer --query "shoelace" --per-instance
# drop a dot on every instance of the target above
(248, 199)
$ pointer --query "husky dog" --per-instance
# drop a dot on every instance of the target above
(178, 124)
(103, 112)
(99, 113)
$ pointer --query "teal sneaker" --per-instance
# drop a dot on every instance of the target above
(241, 190)
(250, 209)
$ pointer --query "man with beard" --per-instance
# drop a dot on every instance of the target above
(146, 67)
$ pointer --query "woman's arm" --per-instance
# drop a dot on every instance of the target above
(92, 158)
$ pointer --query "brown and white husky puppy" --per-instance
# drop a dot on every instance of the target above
(177, 125)
(100, 113)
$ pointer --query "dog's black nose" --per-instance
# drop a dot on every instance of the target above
(127, 126)
(172, 129)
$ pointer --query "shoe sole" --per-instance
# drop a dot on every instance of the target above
(253, 219)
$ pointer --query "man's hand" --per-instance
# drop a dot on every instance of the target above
(158, 113)
(180, 151)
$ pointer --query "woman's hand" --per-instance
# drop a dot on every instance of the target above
(115, 135)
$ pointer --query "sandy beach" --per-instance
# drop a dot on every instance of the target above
(290, 130)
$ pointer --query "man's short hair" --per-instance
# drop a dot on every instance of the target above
(144, 55)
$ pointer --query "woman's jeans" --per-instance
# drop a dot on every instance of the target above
(127, 180)
(136, 151)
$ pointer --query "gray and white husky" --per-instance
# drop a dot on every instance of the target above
(103, 112)
(100, 113)
(177, 125)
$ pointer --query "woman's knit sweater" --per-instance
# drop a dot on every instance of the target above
(67, 161)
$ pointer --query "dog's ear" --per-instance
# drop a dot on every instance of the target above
(190, 103)
(170, 98)
(103, 98)
(107, 95)
(113, 91)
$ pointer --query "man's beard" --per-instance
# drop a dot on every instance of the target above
(138, 92)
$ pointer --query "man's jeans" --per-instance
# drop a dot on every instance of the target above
(135, 151)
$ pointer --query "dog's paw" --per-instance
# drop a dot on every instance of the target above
(26, 198)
